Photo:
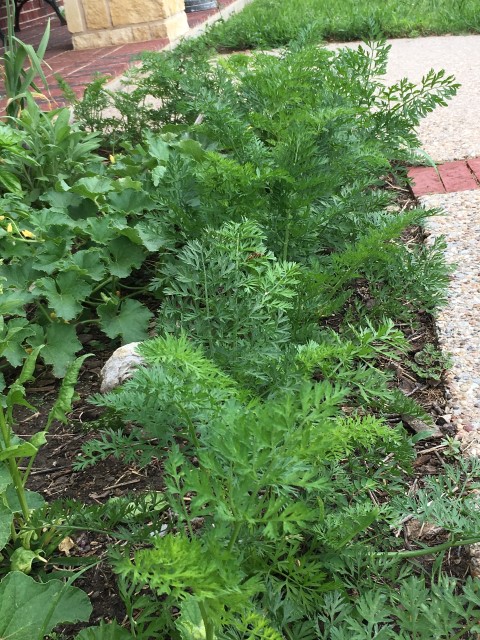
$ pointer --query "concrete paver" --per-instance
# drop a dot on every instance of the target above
(451, 132)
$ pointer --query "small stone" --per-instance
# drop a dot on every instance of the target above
(120, 366)
(474, 550)
(417, 530)
(419, 425)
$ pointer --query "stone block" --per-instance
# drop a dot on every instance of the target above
(116, 22)
(93, 40)
(176, 26)
(74, 16)
(125, 12)
(425, 180)
(142, 33)
(122, 36)
(456, 176)
(474, 164)
(97, 15)
(171, 7)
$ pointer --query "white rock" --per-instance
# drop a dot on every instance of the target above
(120, 366)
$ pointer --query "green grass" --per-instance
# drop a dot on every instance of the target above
(272, 23)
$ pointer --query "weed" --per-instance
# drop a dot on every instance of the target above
(430, 363)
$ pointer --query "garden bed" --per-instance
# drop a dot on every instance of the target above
(262, 475)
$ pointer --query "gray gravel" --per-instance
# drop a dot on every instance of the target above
(458, 323)
(452, 133)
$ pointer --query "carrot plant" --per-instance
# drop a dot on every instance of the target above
(296, 144)
(275, 527)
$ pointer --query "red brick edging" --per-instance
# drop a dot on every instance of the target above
(461, 175)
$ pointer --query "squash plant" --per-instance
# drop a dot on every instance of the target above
(19, 541)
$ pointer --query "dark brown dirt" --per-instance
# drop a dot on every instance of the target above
(53, 476)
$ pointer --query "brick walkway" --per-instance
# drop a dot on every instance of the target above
(79, 67)
(449, 177)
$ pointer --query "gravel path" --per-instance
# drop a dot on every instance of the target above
(452, 133)
(458, 323)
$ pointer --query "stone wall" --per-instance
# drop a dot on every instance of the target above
(101, 23)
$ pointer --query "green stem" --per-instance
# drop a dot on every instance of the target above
(207, 301)
(14, 471)
(20, 491)
(209, 626)
(91, 321)
(101, 285)
(124, 286)
(464, 631)
(27, 471)
(286, 239)
(190, 425)
(4, 429)
(234, 536)
(417, 553)
(44, 312)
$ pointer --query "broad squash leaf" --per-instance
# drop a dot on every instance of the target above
(61, 345)
(93, 186)
(29, 610)
(12, 302)
(23, 450)
(99, 229)
(12, 337)
(130, 201)
(112, 631)
(129, 321)
(65, 293)
(89, 263)
(22, 559)
(125, 256)
(6, 519)
(5, 477)
(157, 147)
(34, 500)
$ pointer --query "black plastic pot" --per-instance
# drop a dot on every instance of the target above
(199, 5)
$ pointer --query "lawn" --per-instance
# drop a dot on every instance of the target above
(273, 23)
